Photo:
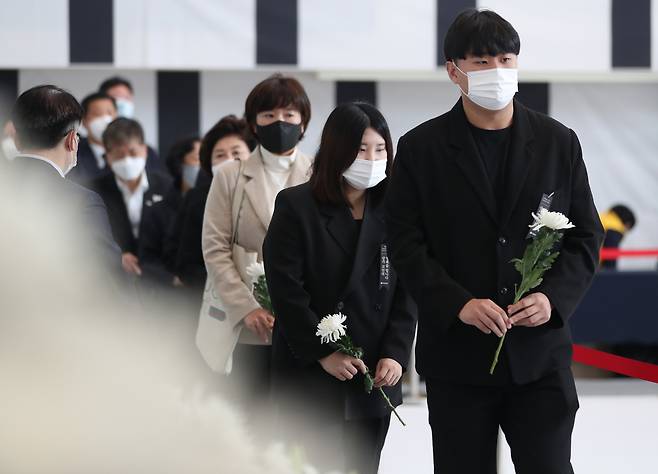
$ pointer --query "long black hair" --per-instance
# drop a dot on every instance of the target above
(339, 146)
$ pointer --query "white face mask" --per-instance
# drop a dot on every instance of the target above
(98, 126)
(125, 108)
(9, 148)
(129, 168)
(365, 174)
(216, 167)
(492, 89)
(190, 173)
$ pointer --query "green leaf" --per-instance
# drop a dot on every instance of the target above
(368, 382)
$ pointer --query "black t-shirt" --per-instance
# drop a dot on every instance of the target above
(492, 146)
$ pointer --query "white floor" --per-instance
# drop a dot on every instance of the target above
(616, 432)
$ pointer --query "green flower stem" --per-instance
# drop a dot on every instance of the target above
(517, 297)
(346, 346)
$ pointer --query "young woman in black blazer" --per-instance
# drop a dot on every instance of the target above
(326, 252)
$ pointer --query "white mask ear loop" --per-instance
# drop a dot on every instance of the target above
(460, 87)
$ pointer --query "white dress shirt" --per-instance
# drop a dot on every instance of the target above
(134, 201)
(99, 151)
(41, 158)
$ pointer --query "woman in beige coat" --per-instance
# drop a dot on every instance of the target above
(277, 111)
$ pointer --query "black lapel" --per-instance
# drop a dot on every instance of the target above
(519, 158)
(337, 220)
(369, 246)
(467, 158)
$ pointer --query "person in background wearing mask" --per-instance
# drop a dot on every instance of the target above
(121, 90)
(617, 222)
(459, 207)
(8, 150)
(228, 140)
(325, 252)
(130, 189)
(99, 110)
(46, 120)
(277, 111)
(155, 249)
(123, 93)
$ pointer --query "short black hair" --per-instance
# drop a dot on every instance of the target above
(625, 215)
(227, 126)
(44, 115)
(480, 33)
(93, 97)
(339, 146)
(114, 81)
(174, 160)
(274, 92)
(121, 131)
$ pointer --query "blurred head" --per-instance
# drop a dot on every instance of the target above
(479, 40)
(122, 91)
(99, 110)
(228, 140)
(626, 216)
(355, 138)
(46, 121)
(125, 150)
(278, 112)
(183, 162)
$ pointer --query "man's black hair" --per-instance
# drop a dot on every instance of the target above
(44, 115)
(625, 215)
(480, 33)
(114, 81)
(87, 101)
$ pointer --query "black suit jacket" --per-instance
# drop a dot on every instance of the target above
(306, 257)
(108, 190)
(451, 241)
(87, 169)
(156, 249)
(187, 262)
(71, 204)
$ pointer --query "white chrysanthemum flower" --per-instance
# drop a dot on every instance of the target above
(331, 327)
(552, 220)
(255, 271)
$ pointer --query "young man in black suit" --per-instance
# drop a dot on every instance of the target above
(130, 190)
(463, 189)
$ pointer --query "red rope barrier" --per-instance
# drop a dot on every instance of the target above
(616, 364)
(614, 254)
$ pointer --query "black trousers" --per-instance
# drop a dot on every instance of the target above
(248, 386)
(537, 420)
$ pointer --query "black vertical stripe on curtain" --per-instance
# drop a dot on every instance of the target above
(631, 33)
(91, 31)
(356, 91)
(8, 94)
(447, 11)
(534, 95)
(276, 32)
(178, 107)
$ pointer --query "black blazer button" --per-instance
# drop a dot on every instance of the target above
(503, 291)
(378, 307)
(502, 240)
(340, 306)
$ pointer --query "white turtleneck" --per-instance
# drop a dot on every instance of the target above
(277, 168)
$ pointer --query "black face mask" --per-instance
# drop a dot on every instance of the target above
(279, 137)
